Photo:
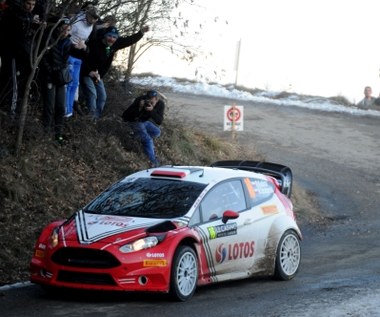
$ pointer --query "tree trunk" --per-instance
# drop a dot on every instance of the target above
(24, 111)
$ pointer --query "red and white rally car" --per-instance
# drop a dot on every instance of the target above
(173, 228)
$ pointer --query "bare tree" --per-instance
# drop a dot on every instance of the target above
(38, 50)
(170, 26)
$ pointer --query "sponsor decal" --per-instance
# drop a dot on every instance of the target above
(39, 254)
(155, 263)
(222, 230)
(262, 187)
(110, 221)
(155, 255)
(269, 210)
(91, 228)
(234, 251)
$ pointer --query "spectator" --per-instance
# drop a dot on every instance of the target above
(82, 26)
(144, 116)
(368, 101)
(18, 25)
(102, 49)
(53, 88)
(3, 7)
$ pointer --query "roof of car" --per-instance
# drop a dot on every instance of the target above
(199, 174)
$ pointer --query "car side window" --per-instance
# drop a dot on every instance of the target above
(259, 190)
(195, 218)
(225, 196)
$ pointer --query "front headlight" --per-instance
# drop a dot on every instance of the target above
(141, 244)
(53, 239)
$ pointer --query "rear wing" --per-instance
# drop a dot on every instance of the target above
(281, 173)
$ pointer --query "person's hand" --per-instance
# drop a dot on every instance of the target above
(94, 74)
(148, 107)
(36, 19)
(80, 45)
(145, 29)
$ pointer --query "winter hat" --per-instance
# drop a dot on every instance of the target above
(64, 21)
(151, 93)
(111, 31)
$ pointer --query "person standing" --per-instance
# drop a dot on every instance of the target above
(102, 48)
(82, 26)
(18, 25)
(368, 101)
(144, 116)
(53, 84)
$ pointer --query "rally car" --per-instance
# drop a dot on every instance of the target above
(173, 228)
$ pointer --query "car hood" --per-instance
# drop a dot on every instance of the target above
(89, 228)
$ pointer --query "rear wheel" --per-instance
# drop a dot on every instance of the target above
(288, 256)
(184, 274)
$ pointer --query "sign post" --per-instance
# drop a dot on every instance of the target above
(233, 119)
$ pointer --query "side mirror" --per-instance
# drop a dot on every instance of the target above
(229, 214)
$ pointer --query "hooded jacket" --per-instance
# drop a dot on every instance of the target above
(100, 55)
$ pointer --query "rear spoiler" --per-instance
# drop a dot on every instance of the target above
(281, 173)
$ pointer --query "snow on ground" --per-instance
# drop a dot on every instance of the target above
(316, 103)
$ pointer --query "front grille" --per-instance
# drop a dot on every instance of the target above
(89, 258)
(85, 278)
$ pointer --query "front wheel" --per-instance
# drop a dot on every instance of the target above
(184, 275)
(288, 256)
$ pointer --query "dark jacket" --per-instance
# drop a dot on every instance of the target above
(55, 59)
(133, 113)
(16, 31)
(100, 58)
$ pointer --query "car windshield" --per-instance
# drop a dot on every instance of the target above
(145, 197)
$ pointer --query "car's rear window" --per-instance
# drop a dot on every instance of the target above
(145, 197)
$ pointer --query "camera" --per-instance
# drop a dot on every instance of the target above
(146, 104)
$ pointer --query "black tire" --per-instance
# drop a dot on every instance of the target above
(184, 274)
(288, 256)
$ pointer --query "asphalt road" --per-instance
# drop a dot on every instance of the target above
(333, 155)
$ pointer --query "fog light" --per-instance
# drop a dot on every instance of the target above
(143, 280)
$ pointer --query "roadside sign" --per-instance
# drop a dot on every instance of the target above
(233, 118)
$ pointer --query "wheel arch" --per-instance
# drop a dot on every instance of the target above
(278, 228)
(186, 242)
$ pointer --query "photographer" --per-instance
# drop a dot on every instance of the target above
(144, 116)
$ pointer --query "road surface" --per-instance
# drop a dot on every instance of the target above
(333, 155)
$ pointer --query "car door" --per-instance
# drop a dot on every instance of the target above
(227, 247)
(264, 208)
(237, 248)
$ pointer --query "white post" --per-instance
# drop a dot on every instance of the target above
(237, 61)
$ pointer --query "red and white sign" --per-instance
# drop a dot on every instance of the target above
(233, 118)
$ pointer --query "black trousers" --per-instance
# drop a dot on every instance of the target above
(54, 107)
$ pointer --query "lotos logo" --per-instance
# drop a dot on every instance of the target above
(109, 221)
(234, 251)
(220, 253)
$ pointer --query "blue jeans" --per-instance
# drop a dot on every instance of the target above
(146, 131)
(95, 95)
(72, 87)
